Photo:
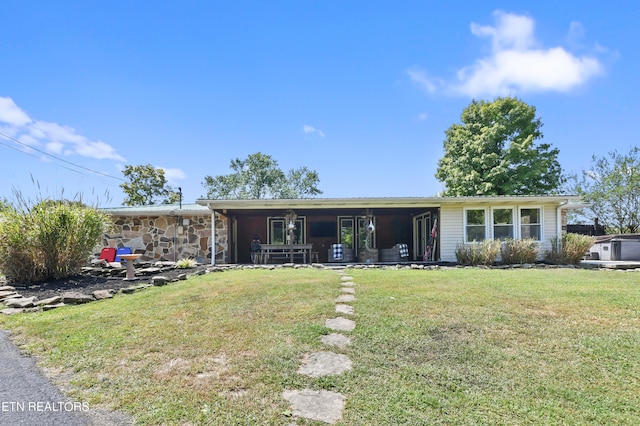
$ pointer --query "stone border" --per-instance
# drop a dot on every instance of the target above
(17, 304)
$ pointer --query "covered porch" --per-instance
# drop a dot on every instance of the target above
(307, 230)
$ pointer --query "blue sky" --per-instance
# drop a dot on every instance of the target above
(360, 91)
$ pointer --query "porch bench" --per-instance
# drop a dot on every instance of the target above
(282, 255)
(347, 255)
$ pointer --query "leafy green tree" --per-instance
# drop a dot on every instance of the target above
(612, 188)
(147, 185)
(258, 176)
(493, 152)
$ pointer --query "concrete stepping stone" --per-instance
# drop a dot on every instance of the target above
(320, 364)
(344, 309)
(345, 298)
(323, 406)
(348, 284)
(348, 290)
(347, 278)
(340, 324)
(335, 339)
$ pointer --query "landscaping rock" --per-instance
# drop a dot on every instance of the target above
(130, 290)
(102, 294)
(8, 294)
(52, 306)
(22, 302)
(7, 288)
(323, 406)
(159, 280)
(148, 271)
(49, 301)
(12, 311)
(76, 298)
(320, 364)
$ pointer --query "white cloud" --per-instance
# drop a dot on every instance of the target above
(173, 175)
(11, 114)
(307, 129)
(54, 138)
(517, 63)
(422, 80)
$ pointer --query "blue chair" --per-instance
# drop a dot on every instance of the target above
(122, 250)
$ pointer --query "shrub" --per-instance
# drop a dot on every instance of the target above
(519, 251)
(570, 249)
(52, 239)
(483, 253)
(186, 263)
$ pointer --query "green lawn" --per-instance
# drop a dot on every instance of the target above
(450, 346)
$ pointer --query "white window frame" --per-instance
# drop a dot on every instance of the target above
(301, 228)
(487, 236)
(513, 224)
(540, 218)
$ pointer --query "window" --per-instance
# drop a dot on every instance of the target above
(353, 232)
(347, 231)
(475, 229)
(502, 224)
(530, 224)
(278, 231)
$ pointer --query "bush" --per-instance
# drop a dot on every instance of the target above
(519, 251)
(570, 249)
(484, 253)
(186, 263)
(50, 240)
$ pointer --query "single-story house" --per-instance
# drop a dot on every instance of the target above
(370, 229)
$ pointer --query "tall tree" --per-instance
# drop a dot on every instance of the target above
(493, 152)
(612, 188)
(258, 176)
(147, 185)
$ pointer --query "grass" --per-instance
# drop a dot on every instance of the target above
(461, 346)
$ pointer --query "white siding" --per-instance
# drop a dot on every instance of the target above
(451, 226)
(549, 226)
(451, 231)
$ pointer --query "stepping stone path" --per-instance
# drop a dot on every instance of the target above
(326, 406)
(319, 364)
(344, 309)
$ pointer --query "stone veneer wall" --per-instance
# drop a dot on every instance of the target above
(166, 238)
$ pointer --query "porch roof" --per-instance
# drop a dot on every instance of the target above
(566, 201)
(157, 210)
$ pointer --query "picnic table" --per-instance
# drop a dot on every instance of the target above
(268, 251)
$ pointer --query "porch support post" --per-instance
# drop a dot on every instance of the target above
(213, 237)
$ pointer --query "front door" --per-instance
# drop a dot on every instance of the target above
(422, 233)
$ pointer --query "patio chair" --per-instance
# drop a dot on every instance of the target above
(122, 250)
(108, 254)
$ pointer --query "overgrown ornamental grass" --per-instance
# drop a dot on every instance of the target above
(451, 346)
